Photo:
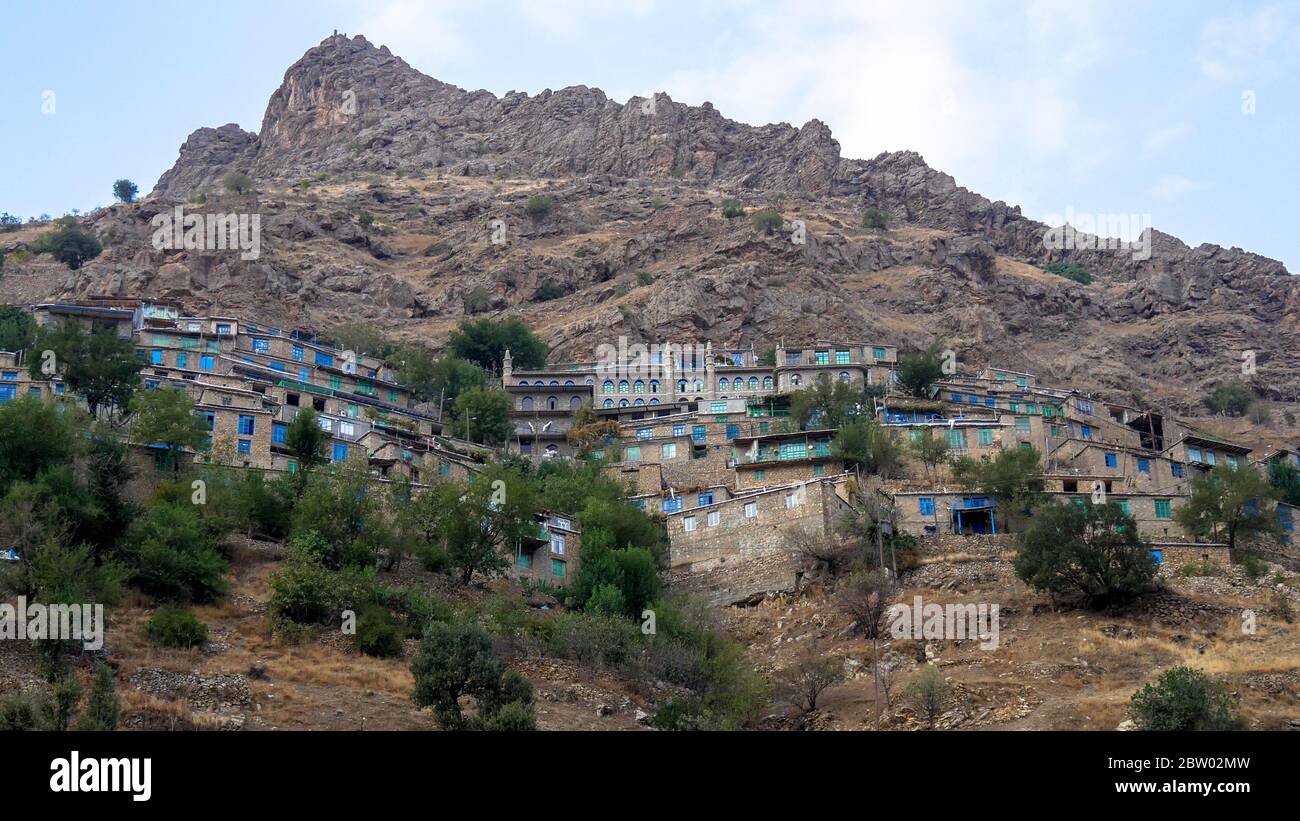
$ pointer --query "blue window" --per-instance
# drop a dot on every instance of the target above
(261, 346)
(304, 375)
(1085, 431)
(245, 446)
(706, 498)
(733, 431)
(155, 357)
(8, 393)
(340, 452)
(223, 328)
(297, 353)
(246, 425)
(644, 433)
(1159, 556)
(672, 505)
(956, 397)
(182, 360)
(207, 362)
(926, 506)
(277, 366)
(278, 431)
(679, 430)
(1177, 468)
(1144, 465)
(990, 402)
(211, 419)
(150, 384)
(1112, 461)
(974, 400)
(698, 433)
(324, 359)
(58, 389)
(10, 376)
(34, 390)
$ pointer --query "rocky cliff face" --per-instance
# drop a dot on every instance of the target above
(635, 243)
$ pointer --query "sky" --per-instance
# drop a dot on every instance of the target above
(1186, 114)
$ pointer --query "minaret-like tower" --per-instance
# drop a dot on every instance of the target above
(507, 367)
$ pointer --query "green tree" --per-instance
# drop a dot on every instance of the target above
(930, 450)
(1091, 550)
(1013, 478)
(874, 219)
(17, 329)
(828, 403)
(237, 182)
(343, 508)
(102, 705)
(362, 337)
(125, 190)
(166, 417)
(100, 366)
(919, 370)
(456, 660)
(306, 441)
(868, 446)
(927, 692)
(1229, 398)
(1069, 270)
(485, 341)
(175, 556)
(1230, 501)
(69, 243)
(484, 416)
(1184, 699)
(440, 379)
(538, 206)
(35, 436)
(1285, 479)
(479, 523)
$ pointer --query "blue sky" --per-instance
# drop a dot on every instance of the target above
(1092, 107)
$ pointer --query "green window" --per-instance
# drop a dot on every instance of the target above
(762, 427)
(760, 474)
(1031, 408)
(718, 407)
(524, 560)
(819, 469)
(956, 438)
(1123, 505)
(557, 568)
(794, 450)
(1162, 508)
(1014, 407)
(392, 396)
(293, 468)
(916, 435)
(1022, 424)
(878, 353)
(986, 437)
(336, 382)
(444, 469)
(634, 453)
(822, 357)
(841, 357)
(1049, 411)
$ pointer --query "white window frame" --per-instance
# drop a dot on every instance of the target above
(688, 523)
(714, 518)
(751, 510)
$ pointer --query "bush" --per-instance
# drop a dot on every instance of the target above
(1069, 270)
(377, 633)
(457, 660)
(1255, 567)
(874, 219)
(1195, 569)
(476, 300)
(547, 291)
(768, 221)
(1183, 699)
(927, 692)
(237, 182)
(731, 208)
(538, 206)
(1092, 550)
(594, 639)
(173, 627)
(433, 558)
(176, 558)
(1229, 398)
(644, 278)
(365, 219)
(102, 706)
(68, 243)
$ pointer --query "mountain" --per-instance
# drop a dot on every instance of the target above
(635, 243)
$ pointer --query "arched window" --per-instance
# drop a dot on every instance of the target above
(767, 383)
(575, 402)
(539, 384)
(622, 403)
(622, 386)
(523, 383)
(639, 402)
(590, 381)
(654, 401)
(681, 386)
(608, 387)
(654, 386)
(609, 403)
(638, 387)
(552, 451)
(724, 384)
(796, 379)
(551, 402)
(527, 404)
(568, 383)
(753, 383)
(555, 383)
(844, 376)
(699, 386)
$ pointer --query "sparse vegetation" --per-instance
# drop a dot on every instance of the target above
(539, 206)
(767, 221)
(731, 208)
(1070, 270)
(174, 627)
(874, 219)
(927, 693)
(237, 182)
(69, 243)
(1184, 699)
(125, 190)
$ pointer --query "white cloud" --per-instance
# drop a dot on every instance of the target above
(1161, 138)
(1173, 187)
(421, 32)
(1232, 47)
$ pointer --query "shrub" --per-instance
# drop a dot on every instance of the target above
(927, 692)
(768, 221)
(1070, 270)
(102, 705)
(176, 558)
(731, 208)
(547, 291)
(538, 206)
(173, 627)
(1229, 398)
(1092, 550)
(874, 219)
(237, 182)
(1183, 699)
(644, 278)
(377, 633)
(476, 300)
(457, 660)
(1255, 567)
(69, 243)
(365, 219)
(594, 639)
(433, 558)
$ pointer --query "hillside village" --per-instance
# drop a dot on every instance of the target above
(746, 462)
